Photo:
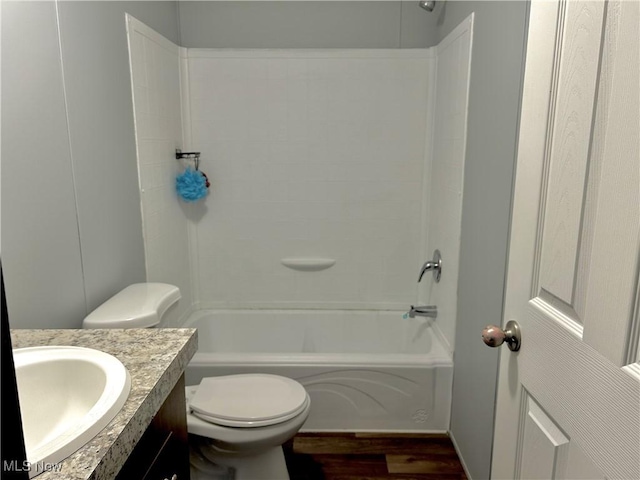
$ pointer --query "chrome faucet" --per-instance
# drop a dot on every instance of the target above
(435, 265)
(430, 311)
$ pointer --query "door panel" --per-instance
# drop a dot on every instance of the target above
(611, 253)
(590, 398)
(568, 401)
(580, 467)
(543, 446)
(544, 450)
(574, 98)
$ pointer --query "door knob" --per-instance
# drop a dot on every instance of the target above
(495, 336)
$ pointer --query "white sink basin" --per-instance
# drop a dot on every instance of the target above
(67, 395)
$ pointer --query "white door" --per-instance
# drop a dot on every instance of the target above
(569, 399)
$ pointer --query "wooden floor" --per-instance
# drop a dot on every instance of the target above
(371, 456)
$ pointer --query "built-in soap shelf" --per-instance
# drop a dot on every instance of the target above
(308, 264)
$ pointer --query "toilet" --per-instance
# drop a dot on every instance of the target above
(236, 423)
(239, 434)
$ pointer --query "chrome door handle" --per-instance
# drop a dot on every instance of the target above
(494, 336)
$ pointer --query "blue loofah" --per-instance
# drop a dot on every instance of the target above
(191, 185)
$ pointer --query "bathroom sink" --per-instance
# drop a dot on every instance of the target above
(67, 395)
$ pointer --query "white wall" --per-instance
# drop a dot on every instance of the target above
(310, 154)
(306, 24)
(155, 78)
(100, 111)
(494, 96)
(453, 55)
(41, 258)
(71, 233)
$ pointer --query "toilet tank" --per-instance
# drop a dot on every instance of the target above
(140, 305)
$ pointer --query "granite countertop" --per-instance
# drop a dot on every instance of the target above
(155, 358)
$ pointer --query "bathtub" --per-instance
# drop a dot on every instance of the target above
(364, 370)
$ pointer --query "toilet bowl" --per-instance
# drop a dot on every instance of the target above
(238, 423)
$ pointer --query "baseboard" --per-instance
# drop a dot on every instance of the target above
(382, 431)
(460, 457)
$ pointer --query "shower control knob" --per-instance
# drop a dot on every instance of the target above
(435, 265)
(494, 336)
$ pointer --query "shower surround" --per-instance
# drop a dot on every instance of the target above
(312, 154)
(351, 156)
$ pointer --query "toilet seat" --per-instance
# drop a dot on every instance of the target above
(248, 400)
(251, 424)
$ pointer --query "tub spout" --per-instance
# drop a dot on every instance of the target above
(430, 311)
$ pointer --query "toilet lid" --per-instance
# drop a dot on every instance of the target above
(249, 400)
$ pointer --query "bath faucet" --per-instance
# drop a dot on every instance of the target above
(430, 311)
(435, 265)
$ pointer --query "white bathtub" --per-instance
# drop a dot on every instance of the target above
(364, 370)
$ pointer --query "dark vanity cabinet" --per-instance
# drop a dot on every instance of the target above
(163, 451)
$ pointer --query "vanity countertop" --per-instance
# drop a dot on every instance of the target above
(155, 358)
